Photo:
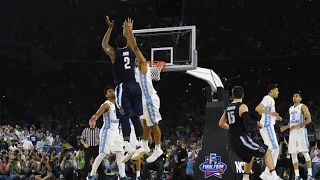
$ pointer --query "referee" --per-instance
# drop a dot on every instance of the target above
(90, 141)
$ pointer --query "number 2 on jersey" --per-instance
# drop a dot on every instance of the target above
(127, 63)
(231, 117)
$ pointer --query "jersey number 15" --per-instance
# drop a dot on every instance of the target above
(127, 63)
(231, 117)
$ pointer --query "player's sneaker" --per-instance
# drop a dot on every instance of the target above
(155, 155)
(138, 178)
(265, 176)
(139, 153)
(310, 178)
(129, 152)
(91, 178)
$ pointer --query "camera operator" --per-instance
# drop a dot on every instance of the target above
(157, 165)
(44, 168)
(67, 166)
(180, 159)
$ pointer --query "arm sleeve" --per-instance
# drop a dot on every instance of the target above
(247, 119)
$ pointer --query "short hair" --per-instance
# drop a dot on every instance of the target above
(237, 92)
(106, 89)
(271, 87)
(121, 41)
(300, 94)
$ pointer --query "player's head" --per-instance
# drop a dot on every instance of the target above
(297, 97)
(273, 90)
(237, 92)
(121, 41)
(109, 92)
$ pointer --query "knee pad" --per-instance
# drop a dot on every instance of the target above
(306, 156)
(125, 126)
(294, 158)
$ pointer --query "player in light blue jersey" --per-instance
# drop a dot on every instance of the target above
(111, 140)
(298, 136)
(150, 102)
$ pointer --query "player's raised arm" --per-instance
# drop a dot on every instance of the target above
(142, 63)
(105, 42)
(103, 108)
(127, 26)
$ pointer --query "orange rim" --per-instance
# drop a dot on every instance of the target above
(159, 64)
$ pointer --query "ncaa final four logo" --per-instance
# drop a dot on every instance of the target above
(212, 166)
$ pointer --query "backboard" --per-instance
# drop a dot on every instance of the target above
(174, 45)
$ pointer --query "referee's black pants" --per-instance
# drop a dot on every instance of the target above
(92, 152)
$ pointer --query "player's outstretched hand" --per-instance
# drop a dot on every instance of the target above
(259, 125)
(110, 23)
(283, 128)
(129, 23)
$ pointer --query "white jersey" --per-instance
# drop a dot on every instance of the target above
(296, 115)
(110, 120)
(145, 82)
(269, 105)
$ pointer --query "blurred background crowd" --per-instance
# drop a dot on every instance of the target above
(53, 71)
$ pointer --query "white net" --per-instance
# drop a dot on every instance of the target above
(155, 69)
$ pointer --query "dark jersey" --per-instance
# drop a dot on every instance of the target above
(236, 123)
(124, 66)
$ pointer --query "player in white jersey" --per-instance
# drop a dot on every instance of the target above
(298, 136)
(269, 115)
(111, 140)
(150, 102)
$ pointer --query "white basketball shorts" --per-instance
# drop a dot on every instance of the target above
(133, 138)
(298, 141)
(151, 106)
(111, 141)
(269, 137)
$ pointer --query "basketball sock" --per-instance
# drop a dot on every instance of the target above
(296, 173)
(137, 173)
(97, 163)
(309, 171)
(121, 166)
(145, 143)
(266, 170)
(245, 177)
(274, 174)
(158, 146)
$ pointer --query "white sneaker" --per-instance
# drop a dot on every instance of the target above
(130, 151)
(155, 155)
(265, 176)
(139, 153)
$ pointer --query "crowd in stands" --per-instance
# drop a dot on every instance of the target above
(52, 109)
(57, 111)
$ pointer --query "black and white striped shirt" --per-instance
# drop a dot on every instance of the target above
(91, 136)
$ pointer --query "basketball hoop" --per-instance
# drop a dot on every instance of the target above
(155, 68)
